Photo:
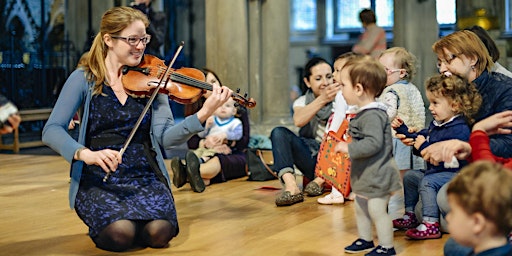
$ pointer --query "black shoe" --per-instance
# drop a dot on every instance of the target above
(194, 176)
(179, 177)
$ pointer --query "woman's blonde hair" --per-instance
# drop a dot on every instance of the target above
(113, 22)
(403, 59)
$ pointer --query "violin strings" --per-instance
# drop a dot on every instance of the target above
(200, 84)
(193, 81)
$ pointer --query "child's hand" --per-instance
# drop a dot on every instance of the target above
(396, 122)
(403, 129)
(222, 149)
(418, 141)
(341, 147)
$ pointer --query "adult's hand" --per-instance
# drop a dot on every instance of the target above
(14, 122)
(499, 123)
(107, 159)
(444, 151)
(218, 97)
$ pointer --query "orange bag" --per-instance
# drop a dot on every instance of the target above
(334, 167)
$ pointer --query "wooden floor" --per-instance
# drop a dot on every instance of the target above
(233, 218)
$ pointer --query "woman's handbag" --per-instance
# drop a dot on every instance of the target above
(258, 166)
(334, 167)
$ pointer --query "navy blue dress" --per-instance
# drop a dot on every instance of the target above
(133, 192)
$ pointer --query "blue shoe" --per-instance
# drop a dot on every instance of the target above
(360, 245)
(379, 250)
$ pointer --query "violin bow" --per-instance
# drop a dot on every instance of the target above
(166, 77)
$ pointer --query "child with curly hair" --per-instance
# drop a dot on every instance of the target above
(453, 102)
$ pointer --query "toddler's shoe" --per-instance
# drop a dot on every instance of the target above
(360, 245)
(408, 221)
(379, 250)
(424, 231)
(331, 199)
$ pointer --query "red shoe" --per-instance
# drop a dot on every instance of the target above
(408, 221)
(424, 231)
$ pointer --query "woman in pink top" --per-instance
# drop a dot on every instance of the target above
(373, 40)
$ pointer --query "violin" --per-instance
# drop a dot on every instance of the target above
(184, 85)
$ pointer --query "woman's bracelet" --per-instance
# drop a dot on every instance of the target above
(77, 152)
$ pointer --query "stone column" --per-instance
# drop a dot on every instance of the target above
(416, 29)
(247, 45)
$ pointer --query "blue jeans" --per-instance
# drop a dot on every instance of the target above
(417, 184)
(289, 149)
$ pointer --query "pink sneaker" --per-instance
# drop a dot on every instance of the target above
(408, 221)
(330, 199)
(424, 231)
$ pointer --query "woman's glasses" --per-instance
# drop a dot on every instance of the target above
(133, 40)
(446, 62)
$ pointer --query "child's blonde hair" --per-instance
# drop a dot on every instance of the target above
(485, 187)
(368, 72)
(459, 90)
(403, 59)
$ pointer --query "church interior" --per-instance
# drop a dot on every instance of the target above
(256, 46)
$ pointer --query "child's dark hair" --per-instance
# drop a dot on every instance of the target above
(484, 187)
(459, 90)
(368, 72)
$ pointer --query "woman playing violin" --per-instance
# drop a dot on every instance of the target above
(134, 206)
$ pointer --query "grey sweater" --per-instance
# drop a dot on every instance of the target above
(373, 172)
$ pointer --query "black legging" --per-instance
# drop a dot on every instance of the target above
(123, 234)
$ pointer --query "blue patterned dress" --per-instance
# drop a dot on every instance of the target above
(133, 192)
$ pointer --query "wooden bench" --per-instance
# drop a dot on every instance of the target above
(27, 115)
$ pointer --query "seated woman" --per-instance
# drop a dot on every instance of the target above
(311, 112)
(226, 165)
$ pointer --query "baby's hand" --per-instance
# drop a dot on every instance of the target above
(403, 129)
(341, 147)
(418, 141)
(396, 122)
(209, 122)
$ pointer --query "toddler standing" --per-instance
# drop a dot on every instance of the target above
(453, 102)
(374, 175)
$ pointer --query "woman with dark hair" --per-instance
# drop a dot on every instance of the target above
(229, 163)
(373, 41)
(311, 112)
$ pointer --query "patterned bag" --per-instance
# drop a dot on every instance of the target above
(334, 167)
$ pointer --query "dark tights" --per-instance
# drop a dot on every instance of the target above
(123, 234)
